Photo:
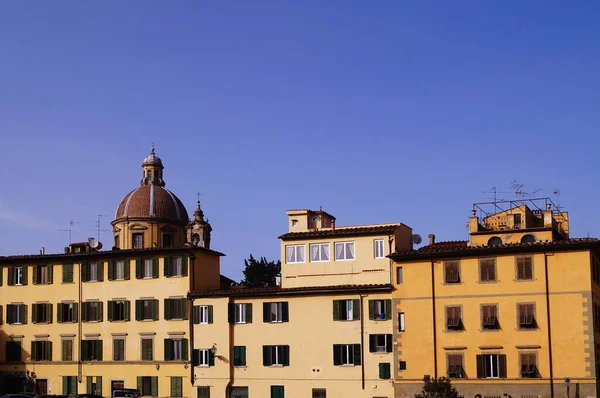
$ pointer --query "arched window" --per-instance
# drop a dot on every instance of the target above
(528, 238)
(494, 241)
(195, 239)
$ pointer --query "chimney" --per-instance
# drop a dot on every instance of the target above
(333, 224)
(431, 239)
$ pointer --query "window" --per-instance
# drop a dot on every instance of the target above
(176, 266)
(319, 393)
(380, 309)
(17, 276)
(495, 241)
(91, 350)
(275, 312)
(453, 318)
(138, 240)
(399, 276)
(117, 241)
(176, 349)
(167, 240)
(319, 252)
(16, 314)
(276, 355)
(41, 350)
(524, 268)
(176, 386)
(42, 274)
(13, 351)
(487, 270)
(385, 371)
(239, 392)
(277, 392)
(239, 356)
(240, 313)
(118, 310)
(529, 365)
(118, 270)
(455, 366)
(528, 239)
(527, 316)
(203, 314)
(67, 350)
(94, 385)
(203, 357)
(402, 365)
(148, 386)
(67, 312)
(175, 308)
(204, 392)
(451, 272)
(294, 254)
(146, 268)
(67, 273)
(378, 248)
(91, 311)
(491, 366)
(93, 272)
(517, 221)
(41, 313)
(401, 321)
(489, 317)
(147, 349)
(294, 223)
(346, 310)
(146, 310)
(69, 385)
(118, 349)
(344, 251)
(596, 310)
(346, 354)
(380, 343)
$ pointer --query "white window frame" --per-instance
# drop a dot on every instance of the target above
(296, 250)
(379, 309)
(43, 274)
(150, 303)
(203, 358)
(18, 276)
(176, 349)
(135, 245)
(349, 310)
(119, 270)
(276, 355)
(379, 347)
(203, 314)
(491, 358)
(92, 304)
(320, 253)
(177, 266)
(399, 276)
(346, 253)
(275, 312)
(378, 248)
(16, 314)
(401, 321)
(93, 271)
(240, 313)
(147, 268)
(348, 349)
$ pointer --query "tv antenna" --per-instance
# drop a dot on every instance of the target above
(97, 225)
(70, 230)
(495, 192)
(556, 193)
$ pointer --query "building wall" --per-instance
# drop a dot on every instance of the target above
(152, 231)
(311, 333)
(571, 324)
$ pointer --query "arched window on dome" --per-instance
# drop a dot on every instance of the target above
(149, 175)
(528, 239)
(167, 240)
(195, 239)
(495, 241)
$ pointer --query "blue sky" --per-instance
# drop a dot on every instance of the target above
(377, 111)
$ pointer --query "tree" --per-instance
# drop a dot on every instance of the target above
(260, 273)
(438, 388)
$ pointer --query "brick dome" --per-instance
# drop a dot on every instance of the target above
(152, 201)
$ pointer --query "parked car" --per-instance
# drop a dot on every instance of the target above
(16, 396)
(87, 396)
(126, 393)
(51, 396)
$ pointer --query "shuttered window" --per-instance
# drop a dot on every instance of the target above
(276, 355)
(346, 310)
(67, 350)
(146, 268)
(13, 351)
(148, 385)
(455, 366)
(176, 266)
(176, 349)
(203, 357)
(526, 313)
(529, 365)
(380, 343)
(175, 308)
(385, 371)
(275, 312)
(69, 385)
(453, 318)
(176, 386)
(204, 392)
(41, 313)
(92, 271)
(146, 310)
(277, 392)
(203, 314)
(67, 312)
(240, 313)
(524, 268)
(16, 314)
(489, 316)
(380, 310)
(491, 366)
(91, 350)
(118, 310)
(118, 270)
(67, 273)
(92, 311)
(346, 354)
(147, 349)
(487, 270)
(119, 349)
(239, 356)
(451, 272)
(42, 274)
(319, 393)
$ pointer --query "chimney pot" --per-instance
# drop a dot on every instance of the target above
(431, 239)
(473, 212)
(333, 225)
(549, 206)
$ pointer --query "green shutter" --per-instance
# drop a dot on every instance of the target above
(195, 357)
(11, 272)
(100, 312)
(357, 354)
(34, 313)
(100, 275)
(126, 267)
(73, 385)
(111, 270)
(155, 309)
(184, 349)
(204, 392)
(138, 309)
(99, 350)
(23, 314)
(67, 273)
(211, 358)
(285, 316)
(75, 312)
(384, 371)
(111, 305)
(85, 272)
(266, 314)
(266, 356)
(140, 385)
(173, 386)
(388, 309)
(184, 266)
(84, 350)
(167, 266)
(154, 386)
(355, 310)
(88, 382)
(9, 314)
(49, 313)
(184, 308)
(25, 278)
(388, 343)
(372, 343)
(249, 313)
(210, 314)
(59, 312)
(231, 312)
(1, 273)
(34, 351)
(98, 385)
(196, 314)
(168, 350)
(48, 351)
(50, 274)
(127, 310)
(155, 267)
(243, 355)
(277, 392)
(286, 355)
(167, 309)
(138, 269)
(337, 354)
(84, 312)
(65, 389)
(371, 309)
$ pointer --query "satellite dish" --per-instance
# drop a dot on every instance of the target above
(93, 242)
(416, 239)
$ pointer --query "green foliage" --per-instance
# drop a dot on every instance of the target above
(438, 388)
(260, 273)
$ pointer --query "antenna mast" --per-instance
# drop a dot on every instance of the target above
(97, 225)
(70, 230)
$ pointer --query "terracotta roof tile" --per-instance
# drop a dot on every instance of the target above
(277, 290)
(152, 201)
(343, 231)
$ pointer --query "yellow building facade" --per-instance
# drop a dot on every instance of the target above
(512, 311)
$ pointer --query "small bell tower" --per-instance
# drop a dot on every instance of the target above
(198, 230)
(152, 170)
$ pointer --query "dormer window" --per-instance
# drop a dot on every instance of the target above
(528, 239)
(495, 241)
(294, 223)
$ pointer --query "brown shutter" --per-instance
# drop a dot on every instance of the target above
(502, 366)
(492, 270)
(480, 367)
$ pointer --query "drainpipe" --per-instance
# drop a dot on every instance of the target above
(435, 366)
(191, 316)
(548, 324)
(231, 342)
(362, 340)
(79, 324)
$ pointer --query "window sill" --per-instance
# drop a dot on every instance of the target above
(344, 259)
(91, 321)
(147, 320)
(42, 323)
(320, 261)
(176, 276)
(67, 283)
(528, 329)
(117, 280)
(275, 366)
(91, 281)
(240, 366)
(119, 320)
